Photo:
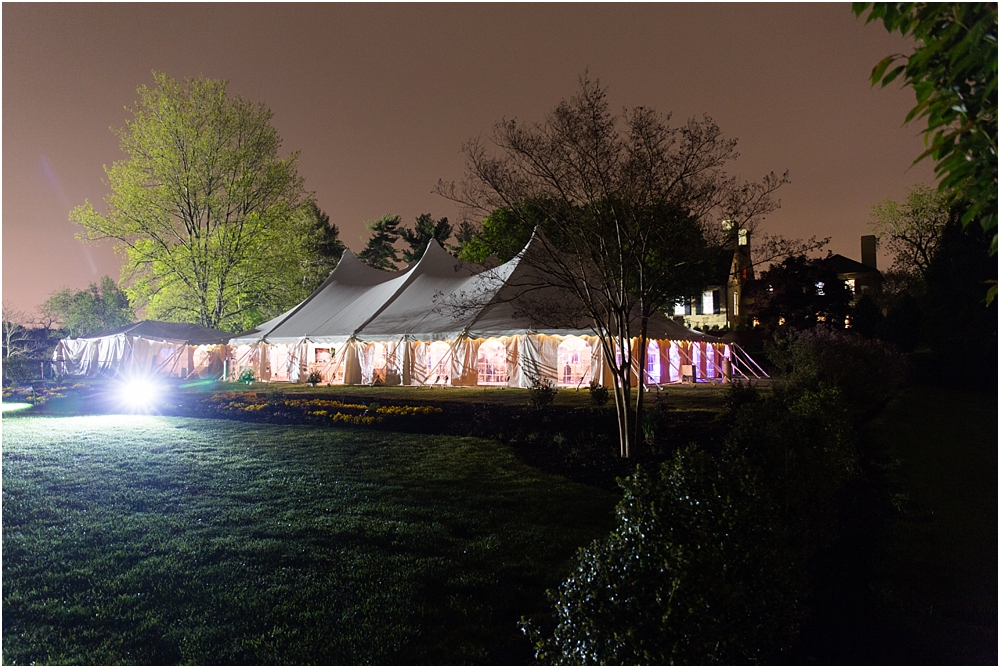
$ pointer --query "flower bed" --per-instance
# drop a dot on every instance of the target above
(324, 411)
(39, 394)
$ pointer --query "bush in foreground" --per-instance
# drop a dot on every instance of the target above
(710, 556)
(695, 571)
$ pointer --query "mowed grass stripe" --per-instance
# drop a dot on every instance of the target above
(131, 539)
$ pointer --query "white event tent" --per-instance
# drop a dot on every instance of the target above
(442, 321)
(166, 348)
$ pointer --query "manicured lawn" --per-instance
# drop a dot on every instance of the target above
(153, 540)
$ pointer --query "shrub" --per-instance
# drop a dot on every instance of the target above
(866, 372)
(802, 444)
(654, 417)
(599, 394)
(541, 394)
(738, 394)
(707, 562)
(695, 571)
(18, 369)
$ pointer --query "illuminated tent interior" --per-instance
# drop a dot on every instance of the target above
(442, 321)
(164, 348)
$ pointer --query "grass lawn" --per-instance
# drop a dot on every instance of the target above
(155, 540)
(936, 565)
(915, 581)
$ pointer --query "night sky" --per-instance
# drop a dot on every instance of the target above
(379, 98)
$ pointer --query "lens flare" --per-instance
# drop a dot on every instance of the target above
(140, 394)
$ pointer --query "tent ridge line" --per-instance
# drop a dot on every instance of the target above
(412, 273)
(309, 298)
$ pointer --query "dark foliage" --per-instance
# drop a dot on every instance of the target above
(324, 248)
(799, 293)
(710, 558)
(541, 394)
(424, 229)
(865, 372)
(957, 279)
(18, 370)
(739, 394)
(655, 418)
(380, 250)
(599, 394)
(800, 441)
(696, 570)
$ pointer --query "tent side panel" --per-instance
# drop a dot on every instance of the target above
(352, 364)
(464, 362)
(514, 345)
(418, 369)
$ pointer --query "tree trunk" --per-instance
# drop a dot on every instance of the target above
(640, 384)
(623, 399)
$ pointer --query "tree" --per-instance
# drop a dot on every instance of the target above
(463, 235)
(800, 293)
(302, 259)
(100, 307)
(502, 233)
(424, 229)
(631, 210)
(200, 204)
(17, 339)
(380, 251)
(911, 230)
(956, 320)
(953, 71)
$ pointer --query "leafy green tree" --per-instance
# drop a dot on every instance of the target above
(630, 208)
(100, 307)
(463, 235)
(424, 229)
(380, 251)
(200, 205)
(953, 71)
(302, 258)
(911, 230)
(502, 233)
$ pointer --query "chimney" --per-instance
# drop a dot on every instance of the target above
(869, 257)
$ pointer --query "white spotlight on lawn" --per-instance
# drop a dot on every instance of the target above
(139, 394)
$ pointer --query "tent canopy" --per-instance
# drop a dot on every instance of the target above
(150, 346)
(438, 298)
(166, 331)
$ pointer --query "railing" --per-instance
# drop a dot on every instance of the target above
(745, 364)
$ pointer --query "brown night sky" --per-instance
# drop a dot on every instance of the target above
(379, 98)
